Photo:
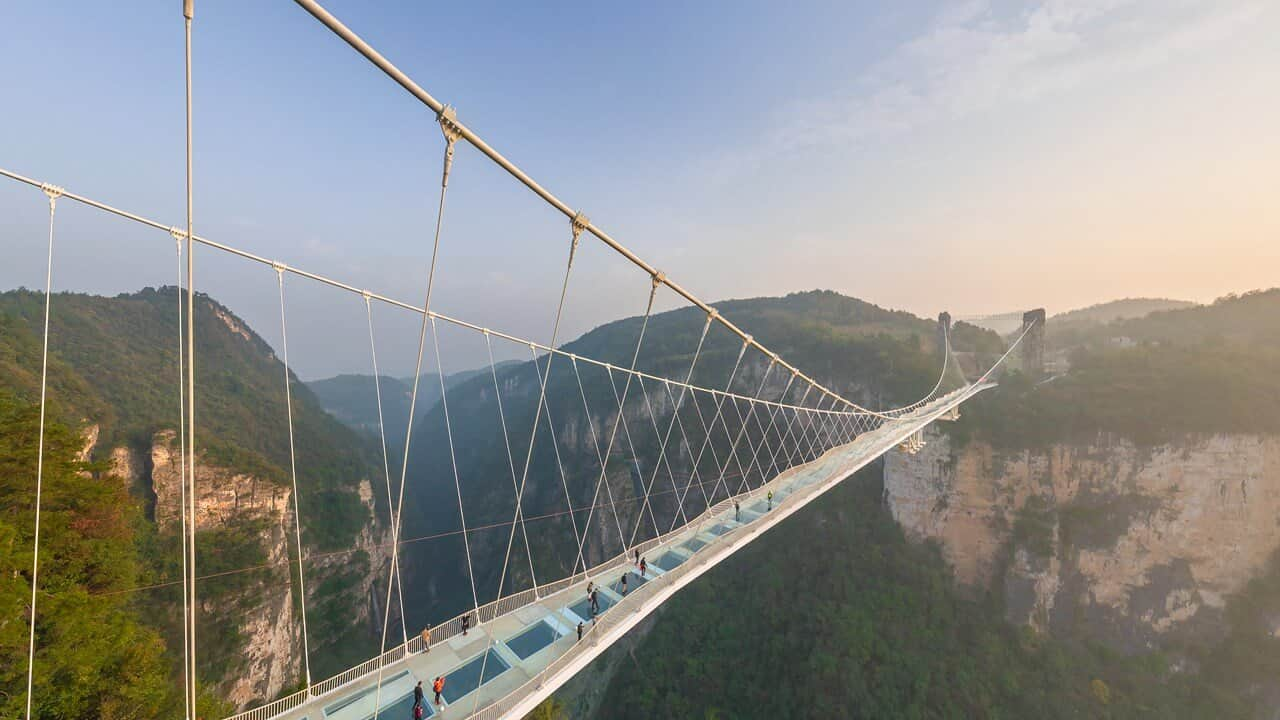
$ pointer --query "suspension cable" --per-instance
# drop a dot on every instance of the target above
(182, 463)
(511, 463)
(188, 14)
(293, 476)
(448, 129)
(453, 462)
(54, 193)
(706, 440)
(393, 573)
(635, 461)
(595, 444)
(576, 225)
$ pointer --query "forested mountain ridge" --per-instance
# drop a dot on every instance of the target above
(875, 356)
(1130, 499)
(114, 380)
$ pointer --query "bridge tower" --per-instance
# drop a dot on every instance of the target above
(944, 329)
(1033, 343)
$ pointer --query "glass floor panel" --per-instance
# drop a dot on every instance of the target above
(532, 640)
(693, 545)
(402, 709)
(582, 608)
(670, 561)
(357, 697)
(465, 679)
(633, 581)
(719, 529)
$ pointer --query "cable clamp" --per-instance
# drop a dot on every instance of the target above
(448, 119)
(366, 295)
(53, 191)
(578, 223)
(485, 331)
(712, 314)
(177, 234)
(749, 340)
(278, 266)
(659, 278)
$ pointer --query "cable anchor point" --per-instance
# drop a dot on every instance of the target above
(53, 191)
(279, 267)
(577, 224)
(448, 119)
(659, 278)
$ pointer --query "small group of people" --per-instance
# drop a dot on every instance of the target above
(642, 564)
(437, 686)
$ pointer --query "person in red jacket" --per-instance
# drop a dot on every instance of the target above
(438, 687)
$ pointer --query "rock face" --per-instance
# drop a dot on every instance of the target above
(263, 613)
(1131, 546)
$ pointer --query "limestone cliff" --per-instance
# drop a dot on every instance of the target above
(1128, 545)
(267, 656)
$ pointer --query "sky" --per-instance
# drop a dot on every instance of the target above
(976, 157)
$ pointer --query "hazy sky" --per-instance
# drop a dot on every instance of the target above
(976, 157)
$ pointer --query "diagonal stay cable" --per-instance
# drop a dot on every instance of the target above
(393, 573)
(576, 225)
(595, 497)
(293, 476)
(449, 130)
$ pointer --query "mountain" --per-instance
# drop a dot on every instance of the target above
(1129, 502)
(353, 400)
(114, 383)
(1076, 320)
(876, 356)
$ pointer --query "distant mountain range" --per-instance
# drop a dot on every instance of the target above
(1005, 323)
(353, 400)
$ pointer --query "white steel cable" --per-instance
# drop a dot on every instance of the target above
(675, 411)
(316, 277)
(453, 462)
(662, 452)
(393, 572)
(756, 458)
(707, 438)
(635, 461)
(465, 133)
(576, 224)
(511, 462)
(688, 447)
(742, 424)
(182, 468)
(555, 449)
(595, 444)
(422, 338)
(188, 14)
(293, 476)
(53, 193)
(644, 325)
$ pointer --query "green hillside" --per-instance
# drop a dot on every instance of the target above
(879, 357)
(1202, 369)
(114, 365)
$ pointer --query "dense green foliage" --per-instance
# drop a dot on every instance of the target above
(113, 364)
(1204, 369)
(93, 658)
(116, 365)
(880, 357)
(854, 621)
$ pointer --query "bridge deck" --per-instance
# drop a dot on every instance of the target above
(533, 649)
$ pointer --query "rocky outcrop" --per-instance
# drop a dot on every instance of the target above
(1130, 545)
(269, 656)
